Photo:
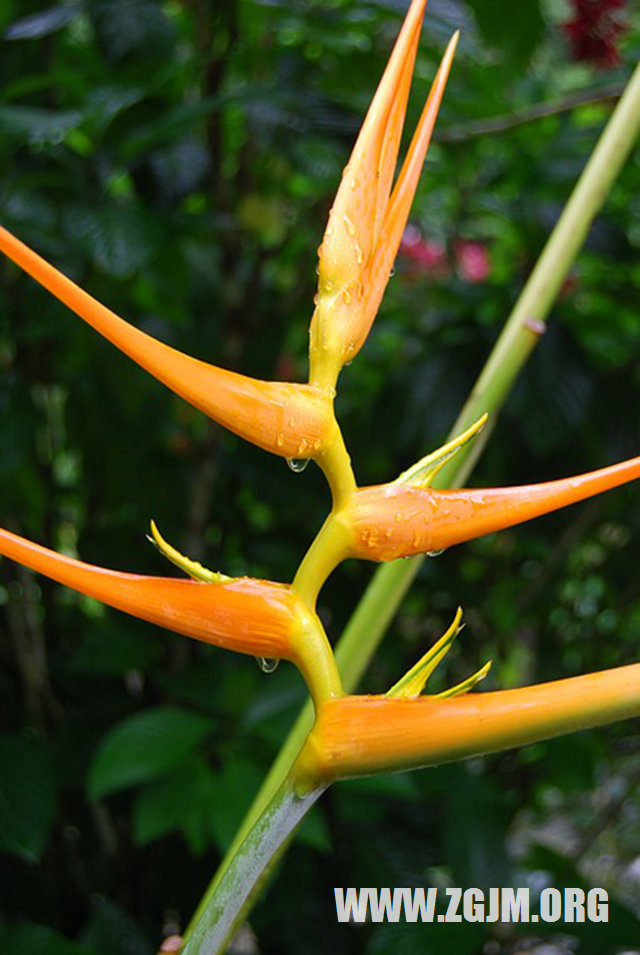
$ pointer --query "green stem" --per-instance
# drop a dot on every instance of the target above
(217, 922)
(518, 339)
(328, 549)
(336, 465)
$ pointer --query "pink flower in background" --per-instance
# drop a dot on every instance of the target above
(425, 253)
(423, 257)
(472, 261)
(430, 256)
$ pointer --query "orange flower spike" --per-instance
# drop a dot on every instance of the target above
(365, 225)
(398, 520)
(379, 270)
(291, 420)
(256, 617)
(361, 735)
(364, 192)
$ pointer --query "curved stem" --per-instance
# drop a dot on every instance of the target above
(220, 913)
(335, 462)
(330, 546)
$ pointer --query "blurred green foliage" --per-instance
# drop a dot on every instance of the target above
(178, 159)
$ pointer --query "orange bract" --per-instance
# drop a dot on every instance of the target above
(361, 735)
(292, 420)
(250, 616)
(398, 520)
(368, 218)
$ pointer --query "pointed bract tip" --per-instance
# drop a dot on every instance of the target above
(194, 569)
(423, 472)
(413, 682)
(461, 688)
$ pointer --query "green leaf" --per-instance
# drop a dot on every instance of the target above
(621, 931)
(119, 238)
(183, 802)
(113, 649)
(516, 36)
(406, 939)
(233, 789)
(112, 931)
(41, 24)
(126, 28)
(37, 126)
(145, 746)
(37, 940)
(475, 831)
(314, 831)
(27, 797)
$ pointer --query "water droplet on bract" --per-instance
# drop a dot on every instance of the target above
(267, 664)
(297, 464)
(280, 440)
(349, 226)
(329, 231)
(328, 285)
(435, 553)
(359, 254)
(346, 296)
(392, 273)
(353, 184)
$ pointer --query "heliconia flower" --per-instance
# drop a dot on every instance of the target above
(292, 420)
(401, 520)
(361, 735)
(258, 617)
(368, 218)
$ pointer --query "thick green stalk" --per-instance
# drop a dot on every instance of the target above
(519, 337)
(263, 843)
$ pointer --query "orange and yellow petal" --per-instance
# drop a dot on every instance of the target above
(291, 420)
(396, 520)
(362, 735)
(358, 209)
(367, 218)
(250, 616)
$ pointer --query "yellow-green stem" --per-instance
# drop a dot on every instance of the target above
(336, 464)
(329, 548)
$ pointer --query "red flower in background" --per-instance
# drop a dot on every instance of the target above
(430, 256)
(472, 260)
(594, 31)
(424, 254)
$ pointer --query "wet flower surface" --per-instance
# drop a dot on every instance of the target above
(270, 620)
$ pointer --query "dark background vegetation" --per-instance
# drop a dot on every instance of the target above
(178, 159)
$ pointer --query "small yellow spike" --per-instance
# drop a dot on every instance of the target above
(190, 567)
(422, 473)
(413, 682)
(466, 685)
